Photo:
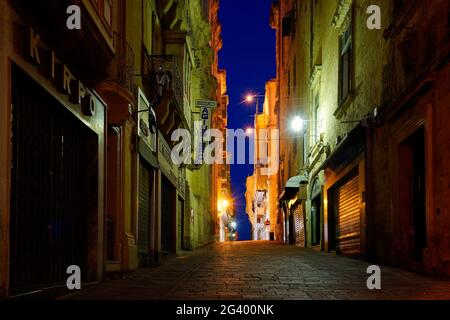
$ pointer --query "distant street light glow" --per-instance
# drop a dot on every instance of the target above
(223, 205)
(234, 225)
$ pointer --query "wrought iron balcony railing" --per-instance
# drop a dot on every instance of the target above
(123, 66)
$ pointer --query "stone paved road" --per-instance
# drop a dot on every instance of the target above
(250, 270)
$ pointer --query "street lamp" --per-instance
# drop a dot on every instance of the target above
(297, 124)
(223, 205)
(250, 98)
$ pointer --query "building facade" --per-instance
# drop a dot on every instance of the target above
(262, 187)
(53, 145)
(87, 118)
(369, 161)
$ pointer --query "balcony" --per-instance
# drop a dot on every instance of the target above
(168, 65)
(163, 83)
(120, 90)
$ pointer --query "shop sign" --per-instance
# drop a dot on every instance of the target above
(60, 74)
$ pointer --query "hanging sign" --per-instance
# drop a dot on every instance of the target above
(206, 104)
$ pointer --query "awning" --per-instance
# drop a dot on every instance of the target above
(346, 151)
(296, 181)
(292, 187)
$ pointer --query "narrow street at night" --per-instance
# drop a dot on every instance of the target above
(186, 153)
(268, 271)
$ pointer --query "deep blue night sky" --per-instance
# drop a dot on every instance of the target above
(248, 55)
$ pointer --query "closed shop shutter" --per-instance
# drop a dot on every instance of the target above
(168, 207)
(348, 225)
(299, 225)
(54, 189)
(180, 210)
(144, 215)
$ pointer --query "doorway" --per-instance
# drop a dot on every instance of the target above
(412, 193)
(316, 208)
(344, 216)
(54, 190)
(144, 224)
(168, 216)
(181, 223)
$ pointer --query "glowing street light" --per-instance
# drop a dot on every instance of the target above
(249, 131)
(297, 124)
(250, 98)
(223, 205)
(234, 225)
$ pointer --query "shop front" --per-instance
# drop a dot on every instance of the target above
(169, 196)
(56, 160)
(147, 189)
(293, 203)
(344, 201)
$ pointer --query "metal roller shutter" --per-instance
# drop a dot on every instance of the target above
(180, 210)
(144, 214)
(348, 225)
(168, 217)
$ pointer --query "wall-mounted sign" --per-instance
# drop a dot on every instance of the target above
(206, 104)
(205, 114)
(147, 121)
(57, 71)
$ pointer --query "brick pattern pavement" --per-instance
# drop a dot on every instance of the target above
(251, 270)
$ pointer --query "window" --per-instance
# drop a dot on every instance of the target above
(398, 7)
(287, 25)
(289, 82)
(345, 64)
(295, 75)
(294, 17)
(315, 124)
(105, 11)
(205, 9)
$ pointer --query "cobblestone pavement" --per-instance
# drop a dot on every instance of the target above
(250, 270)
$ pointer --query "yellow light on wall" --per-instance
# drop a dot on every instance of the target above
(223, 205)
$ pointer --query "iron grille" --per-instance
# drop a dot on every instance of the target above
(54, 186)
